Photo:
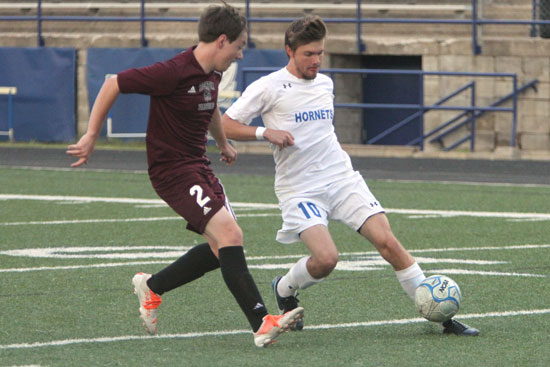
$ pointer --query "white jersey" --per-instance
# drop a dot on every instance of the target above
(304, 108)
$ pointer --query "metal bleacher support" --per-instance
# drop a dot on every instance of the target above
(10, 92)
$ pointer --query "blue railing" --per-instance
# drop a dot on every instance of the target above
(471, 112)
(9, 92)
(358, 20)
(471, 119)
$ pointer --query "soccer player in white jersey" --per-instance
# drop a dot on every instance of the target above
(314, 180)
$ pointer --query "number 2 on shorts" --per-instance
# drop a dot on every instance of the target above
(202, 201)
(312, 208)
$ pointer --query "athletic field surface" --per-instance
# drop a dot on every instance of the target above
(72, 239)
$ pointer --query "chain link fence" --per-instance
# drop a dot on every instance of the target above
(544, 14)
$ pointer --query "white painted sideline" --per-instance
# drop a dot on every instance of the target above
(364, 261)
(123, 220)
(90, 199)
(60, 343)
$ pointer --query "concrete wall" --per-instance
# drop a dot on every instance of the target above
(528, 58)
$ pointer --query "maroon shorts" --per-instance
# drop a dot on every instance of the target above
(196, 196)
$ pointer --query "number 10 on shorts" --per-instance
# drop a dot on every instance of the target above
(308, 209)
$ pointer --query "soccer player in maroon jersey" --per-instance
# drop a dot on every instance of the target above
(183, 107)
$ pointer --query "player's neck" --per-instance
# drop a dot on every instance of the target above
(204, 53)
(292, 70)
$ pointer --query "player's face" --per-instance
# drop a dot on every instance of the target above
(306, 61)
(231, 51)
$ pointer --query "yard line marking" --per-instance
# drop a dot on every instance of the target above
(124, 220)
(88, 221)
(65, 342)
(464, 213)
(468, 183)
(416, 212)
(479, 272)
(74, 267)
(68, 169)
(117, 200)
(144, 171)
(343, 265)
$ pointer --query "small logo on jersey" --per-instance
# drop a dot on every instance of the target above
(207, 87)
(192, 90)
(372, 205)
(206, 209)
(285, 86)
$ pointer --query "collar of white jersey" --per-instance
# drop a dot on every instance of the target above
(296, 79)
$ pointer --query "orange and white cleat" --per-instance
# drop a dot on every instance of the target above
(148, 302)
(273, 325)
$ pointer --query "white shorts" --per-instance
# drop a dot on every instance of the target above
(348, 201)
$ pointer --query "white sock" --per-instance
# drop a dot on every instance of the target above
(297, 278)
(410, 278)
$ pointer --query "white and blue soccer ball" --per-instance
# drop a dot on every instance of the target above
(438, 298)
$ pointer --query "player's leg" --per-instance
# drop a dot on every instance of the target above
(305, 219)
(192, 265)
(196, 262)
(226, 237)
(377, 230)
(308, 270)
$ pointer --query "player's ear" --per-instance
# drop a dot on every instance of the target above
(289, 51)
(222, 40)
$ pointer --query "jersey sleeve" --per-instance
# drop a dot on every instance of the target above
(253, 102)
(154, 80)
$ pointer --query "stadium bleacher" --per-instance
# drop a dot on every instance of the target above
(447, 47)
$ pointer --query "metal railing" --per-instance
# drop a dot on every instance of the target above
(472, 112)
(475, 21)
(471, 118)
(10, 92)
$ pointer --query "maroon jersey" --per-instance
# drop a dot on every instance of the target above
(183, 98)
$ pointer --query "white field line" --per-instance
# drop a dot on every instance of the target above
(65, 342)
(75, 267)
(467, 183)
(125, 220)
(259, 267)
(88, 199)
(269, 258)
(94, 199)
(481, 272)
(107, 170)
(508, 215)
(69, 169)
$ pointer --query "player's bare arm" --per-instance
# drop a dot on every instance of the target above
(239, 131)
(103, 103)
(229, 154)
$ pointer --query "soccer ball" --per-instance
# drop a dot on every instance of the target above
(438, 298)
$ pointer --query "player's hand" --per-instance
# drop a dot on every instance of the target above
(229, 154)
(82, 150)
(280, 138)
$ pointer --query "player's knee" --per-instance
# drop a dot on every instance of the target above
(236, 236)
(388, 246)
(232, 235)
(327, 262)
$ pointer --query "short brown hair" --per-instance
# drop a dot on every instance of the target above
(302, 31)
(218, 20)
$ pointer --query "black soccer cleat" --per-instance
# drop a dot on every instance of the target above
(286, 304)
(453, 326)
